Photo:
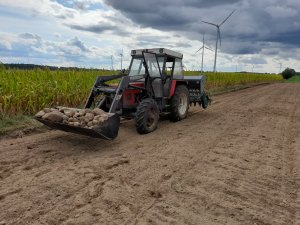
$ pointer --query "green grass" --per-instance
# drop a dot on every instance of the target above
(294, 79)
(12, 123)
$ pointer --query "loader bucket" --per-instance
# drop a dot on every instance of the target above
(108, 130)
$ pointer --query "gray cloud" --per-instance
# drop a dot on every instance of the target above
(255, 26)
(78, 43)
(254, 60)
(95, 28)
(80, 5)
(31, 40)
(30, 36)
(151, 41)
(99, 28)
(167, 14)
(29, 47)
(137, 6)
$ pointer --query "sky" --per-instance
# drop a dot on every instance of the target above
(260, 36)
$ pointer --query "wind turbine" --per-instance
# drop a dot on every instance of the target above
(237, 64)
(203, 47)
(218, 35)
(121, 55)
(280, 65)
(112, 62)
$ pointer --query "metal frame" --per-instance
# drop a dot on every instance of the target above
(157, 51)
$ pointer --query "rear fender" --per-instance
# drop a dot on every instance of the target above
(173, 87)
(174, 84)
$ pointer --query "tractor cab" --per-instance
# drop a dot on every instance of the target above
(156, 68)
(159, 62)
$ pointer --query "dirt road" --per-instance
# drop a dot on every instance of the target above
(237, 162)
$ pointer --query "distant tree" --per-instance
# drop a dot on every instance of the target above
(288, 73)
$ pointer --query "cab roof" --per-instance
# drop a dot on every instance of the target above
(158, 51)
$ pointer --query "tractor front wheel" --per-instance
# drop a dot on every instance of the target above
(180, 103)
(147, 116)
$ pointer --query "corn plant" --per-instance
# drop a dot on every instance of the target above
(28, 91)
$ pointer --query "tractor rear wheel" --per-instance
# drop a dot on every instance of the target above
(180, 103)
(146, 116)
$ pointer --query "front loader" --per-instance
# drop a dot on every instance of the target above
(154, 85)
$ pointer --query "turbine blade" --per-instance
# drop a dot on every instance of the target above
(209, 23)
(209, 48)
(227, 18)
(198, 49)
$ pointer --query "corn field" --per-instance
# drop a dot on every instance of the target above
(227, 79)
(27, 91)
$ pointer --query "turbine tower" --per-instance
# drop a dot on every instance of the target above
(112, 62)
(218, 35)
(203, 47)
(280, 65)
(121, 55)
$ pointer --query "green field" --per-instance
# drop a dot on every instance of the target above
(294, 79)
(27, 91)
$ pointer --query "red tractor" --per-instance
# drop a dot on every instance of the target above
(154, 85)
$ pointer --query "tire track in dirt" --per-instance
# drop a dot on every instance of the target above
(259, 187)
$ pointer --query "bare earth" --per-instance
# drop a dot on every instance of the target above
(237, 162)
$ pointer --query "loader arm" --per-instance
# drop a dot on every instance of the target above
(99, 83)
(123, 84)
(108, 129)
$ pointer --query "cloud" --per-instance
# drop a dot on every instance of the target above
(5, 45)
(281, 11)
(27, 45)
(94, 28)
(254, 22)
(75, 42)
(81, 5)
(89, 29)
(167, 14)
(253, 60)
(41, 7)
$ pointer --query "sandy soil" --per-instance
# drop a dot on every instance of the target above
(237, 162)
